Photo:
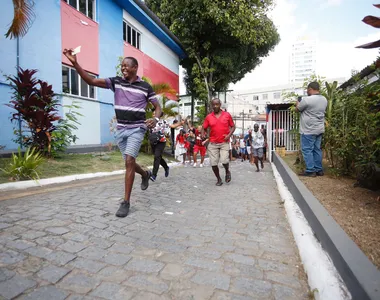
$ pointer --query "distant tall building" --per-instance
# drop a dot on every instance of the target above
(303, 59)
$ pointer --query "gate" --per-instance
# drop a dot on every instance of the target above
(280, 131)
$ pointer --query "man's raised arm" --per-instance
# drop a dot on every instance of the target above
(99, 82)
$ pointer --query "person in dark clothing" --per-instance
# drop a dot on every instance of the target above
(158, 146)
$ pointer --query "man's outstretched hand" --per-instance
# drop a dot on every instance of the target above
(70, 56)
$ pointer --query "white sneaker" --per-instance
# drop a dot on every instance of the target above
(201, 165)
(195, 165)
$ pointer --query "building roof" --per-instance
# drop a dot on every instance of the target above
(139, 10)
(363, 73)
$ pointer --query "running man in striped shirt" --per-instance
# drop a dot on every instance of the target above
(131, 96)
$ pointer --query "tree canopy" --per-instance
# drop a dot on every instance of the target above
(224, 39)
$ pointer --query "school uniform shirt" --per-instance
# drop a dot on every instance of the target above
(258, 140)
(163, 127)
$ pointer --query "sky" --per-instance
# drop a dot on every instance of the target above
(335, 24)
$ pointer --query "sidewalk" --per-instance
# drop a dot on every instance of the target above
(185, 238)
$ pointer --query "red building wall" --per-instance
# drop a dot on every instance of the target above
(152, 69)
(79, 30)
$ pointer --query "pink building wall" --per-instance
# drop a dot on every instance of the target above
(79, 30)
(152, 69)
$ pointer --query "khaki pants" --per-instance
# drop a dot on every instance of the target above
(218, 152)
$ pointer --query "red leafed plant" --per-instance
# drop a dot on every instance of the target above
(37, 109)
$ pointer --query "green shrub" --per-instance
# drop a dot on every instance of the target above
(63, 135)
(24, 166)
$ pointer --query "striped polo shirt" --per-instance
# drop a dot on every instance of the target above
(131, 100)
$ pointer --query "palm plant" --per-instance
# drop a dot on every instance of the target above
(22, 19)
(24, 166)
(163, 90)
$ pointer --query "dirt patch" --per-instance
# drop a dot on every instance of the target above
(355, 209)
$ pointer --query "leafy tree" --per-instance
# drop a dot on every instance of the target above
(224, 39)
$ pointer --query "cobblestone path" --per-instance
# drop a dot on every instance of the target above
(185, 238)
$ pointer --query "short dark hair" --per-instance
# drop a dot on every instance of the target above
(313, 85)
(135, 63)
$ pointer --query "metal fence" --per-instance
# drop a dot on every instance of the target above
(280, 131)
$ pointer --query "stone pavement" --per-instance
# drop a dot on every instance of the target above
(185, 238)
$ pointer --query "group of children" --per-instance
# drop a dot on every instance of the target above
(189, 143)
(251, 147)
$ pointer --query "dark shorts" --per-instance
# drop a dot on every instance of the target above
(258, 152)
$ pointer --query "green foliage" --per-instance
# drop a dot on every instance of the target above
(24, 166)
(201, 114)
(63, 135)
(36, 110)
(351, 141)
(224, 39)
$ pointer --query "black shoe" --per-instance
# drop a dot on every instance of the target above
(167, 172)
(145, 180)
(307, 174)
(320, 173)
(123, 210)
(153, 177)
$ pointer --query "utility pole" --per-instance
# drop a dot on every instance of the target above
(243, 121)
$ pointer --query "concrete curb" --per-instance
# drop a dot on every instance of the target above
(19, 185)
(361, 277)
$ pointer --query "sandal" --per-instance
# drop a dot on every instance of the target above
(219, 183)
(228, 176)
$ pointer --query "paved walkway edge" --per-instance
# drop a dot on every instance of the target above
(19, 185)
(323, 278)
(361, 277)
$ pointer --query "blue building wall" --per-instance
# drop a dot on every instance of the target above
(110, 18)
(40, 49)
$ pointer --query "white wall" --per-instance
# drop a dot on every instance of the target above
(89, 129)
(153, 47)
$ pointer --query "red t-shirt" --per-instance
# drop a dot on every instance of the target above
(219, 127)
(180, 139)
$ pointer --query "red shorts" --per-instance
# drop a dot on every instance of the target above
(201, 149)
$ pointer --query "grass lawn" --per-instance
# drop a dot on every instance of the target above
(69, 164)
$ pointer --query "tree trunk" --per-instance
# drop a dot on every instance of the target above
(209, 92)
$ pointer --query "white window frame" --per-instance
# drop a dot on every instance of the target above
(138, 37)
(86, 14)
(79, 86)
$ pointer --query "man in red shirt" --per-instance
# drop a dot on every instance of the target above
(221, 127)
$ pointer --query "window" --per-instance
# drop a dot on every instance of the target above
(265, 96)
(255, 97)
(87, 7)
(131, 35)
(277, 95)
(73, 84)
